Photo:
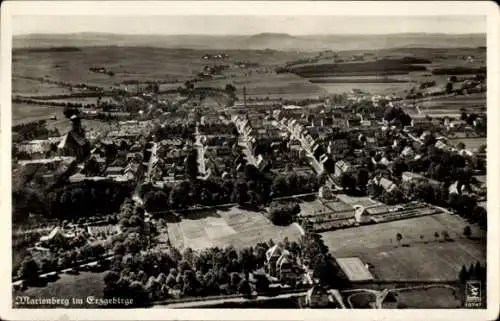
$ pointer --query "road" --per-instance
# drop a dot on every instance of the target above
(218, 301)
(313, 162)
(244, 142)
(152, 160)
(200, 151)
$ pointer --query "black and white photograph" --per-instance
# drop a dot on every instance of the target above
(186, 156)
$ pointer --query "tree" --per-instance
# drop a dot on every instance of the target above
(449, 87)
(399, 237)
(111, 278)
(463, 275)
(244, 287)
(29, 269)
(467, 231)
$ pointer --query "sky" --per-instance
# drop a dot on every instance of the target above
(246, 25)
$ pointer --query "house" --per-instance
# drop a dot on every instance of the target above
(114, 171)
(342, 167)
(56, 235)
(415, 178)
(385, 183)
(281, 264)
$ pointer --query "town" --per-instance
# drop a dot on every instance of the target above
(198, 192)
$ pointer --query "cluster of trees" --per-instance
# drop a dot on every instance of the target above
(157, 275)
(218, 129)
(317, 257)
(137, 234)
(62, 255)
(393, 197)
(464, 204)
(427, 84)
(50, 103)
(34, 130)
(87, 198)
(63, 84)
(102, 70)
(475, 272)
(230, 141)
(168, 131)
(397, 116)
(253, 188)
(355, 181)
(283, 213)
(459, 71)
(292, 183)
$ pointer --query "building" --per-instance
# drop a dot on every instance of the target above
(385, 183)
(281, 264)
(56, 235)
(342, 167)
(74, 143)
(414, 178)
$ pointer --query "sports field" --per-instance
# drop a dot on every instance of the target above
(235, 226)
(420, 255)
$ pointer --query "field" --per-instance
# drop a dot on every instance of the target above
(470, 143)
(27, 87)
(131, 63)
(68, 286)
(422, 259)
(235, 226)
(432, 298)
(23, 113)
(448, 106)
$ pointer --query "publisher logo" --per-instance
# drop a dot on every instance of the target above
(473, 294)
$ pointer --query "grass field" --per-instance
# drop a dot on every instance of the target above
(470, 143)
(235, 226)
(427, 259)
(68, 286)
(432, 298)
(25, 87)
(24, 113)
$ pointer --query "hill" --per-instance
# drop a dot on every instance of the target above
(274, 41)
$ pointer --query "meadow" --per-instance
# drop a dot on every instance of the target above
(431, 298)
(421, 256)
(234, 226)
(24, 113)
(79, 286)
(470, 143)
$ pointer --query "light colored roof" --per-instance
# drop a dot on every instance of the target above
(354, 269)
(51, 235)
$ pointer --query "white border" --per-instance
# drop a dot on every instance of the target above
(359, 8)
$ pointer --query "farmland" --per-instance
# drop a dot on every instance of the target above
(420, 259)
(221, 228)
